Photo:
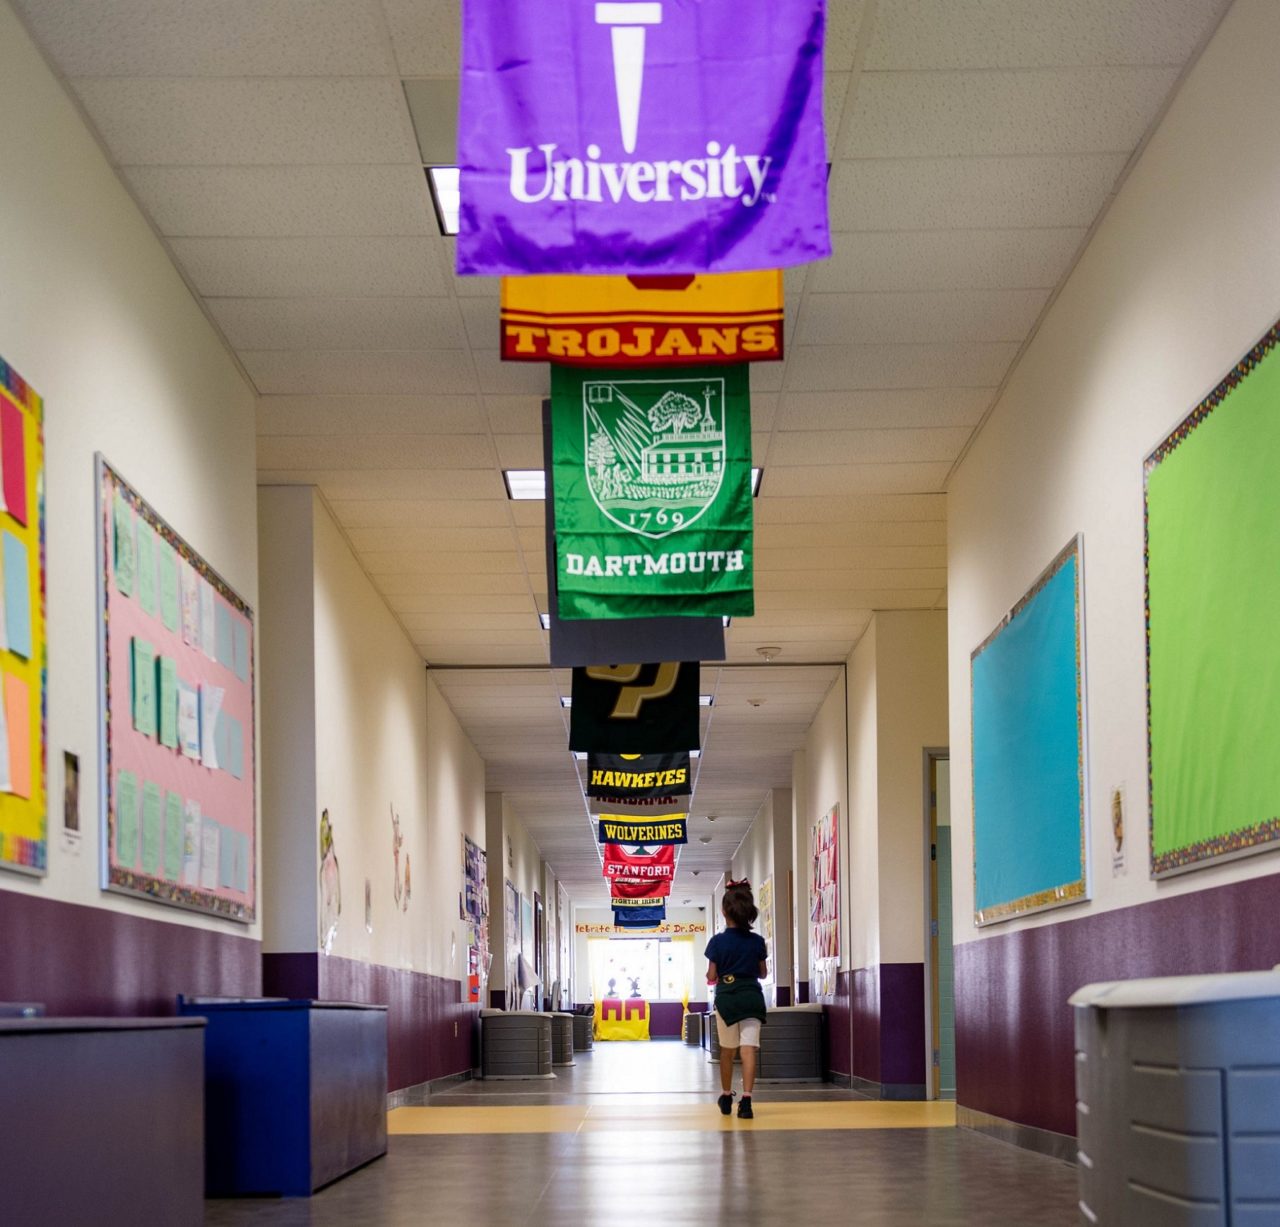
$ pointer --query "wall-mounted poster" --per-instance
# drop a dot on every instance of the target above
(475, 911)
(1030, 832)
(1213, 654)
(177, 737)
(824, 902)
(528, 942)
(511, 935)
(24, 809)
(764, 901)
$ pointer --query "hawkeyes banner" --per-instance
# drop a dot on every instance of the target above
(646, 709)
(616, 829)
(639, 809)
(643, 321)
(654, 864)
(639, 918)
(652, 490)
(638, 776)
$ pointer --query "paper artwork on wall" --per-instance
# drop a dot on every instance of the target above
(178, 797)
(330, 886)
(1212, 573)
(475, 911)
(824, 902)
(764, 901)
(1030, 827)
(24, 823)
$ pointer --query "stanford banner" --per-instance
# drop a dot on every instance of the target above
(653, 865)
(638, 776)
(643, 321)
(616, 829)
(652, 490)
(673, 136)
(650, 709)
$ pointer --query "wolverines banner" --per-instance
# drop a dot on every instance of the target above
(616, 829)
(638, 776)
(642, 708)
(643, 321)
(652, 493)
(653, 865)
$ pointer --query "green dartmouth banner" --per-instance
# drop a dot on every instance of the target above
(652, 488)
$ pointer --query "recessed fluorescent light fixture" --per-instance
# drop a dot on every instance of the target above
(756, 475)
(695, 753)
(580, 755)
(445, 196)
(705, 700)
(566, 701)
(525, 484)
(725, 621)
(544, 620)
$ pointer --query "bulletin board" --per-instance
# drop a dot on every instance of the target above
(1212, 507)
(475, 911)
(177, 702)
(24, 810)
(824, 901)
(1030, 830)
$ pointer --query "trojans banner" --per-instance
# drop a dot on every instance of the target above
(643, 321)
(652, 490)
(668, 829)
(662, 137)
(658, 865)
(638, 776)
(650, 708)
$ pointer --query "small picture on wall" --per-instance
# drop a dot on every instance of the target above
(71, 792)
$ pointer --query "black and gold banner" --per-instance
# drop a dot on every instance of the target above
(635, 709)
(638, 777)
(617, 829)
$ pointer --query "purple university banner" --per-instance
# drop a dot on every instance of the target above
(639, 137)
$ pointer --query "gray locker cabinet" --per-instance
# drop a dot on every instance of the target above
(584, 1036)
(791, 1044)
(515, 1044)
(561, 1038)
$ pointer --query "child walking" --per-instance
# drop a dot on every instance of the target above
(738, 961)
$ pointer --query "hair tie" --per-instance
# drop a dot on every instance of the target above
(730, 883)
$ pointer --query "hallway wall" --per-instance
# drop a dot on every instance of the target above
(1177, 283)
(95, 317)
(514, 858)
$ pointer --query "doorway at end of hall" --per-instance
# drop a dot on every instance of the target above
(940, 1032)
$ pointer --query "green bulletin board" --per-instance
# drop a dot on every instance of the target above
(1212, 521)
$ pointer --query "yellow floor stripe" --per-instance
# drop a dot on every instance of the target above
(672, 1118)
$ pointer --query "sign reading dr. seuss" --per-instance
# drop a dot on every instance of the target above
(669, 136)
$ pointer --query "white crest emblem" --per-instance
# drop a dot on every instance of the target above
(628, 22)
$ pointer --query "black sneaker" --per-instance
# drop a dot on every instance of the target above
(726, 1104)
(744, 1108)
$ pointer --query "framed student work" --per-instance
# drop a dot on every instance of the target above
(24, 816)
(177, 738)
(1213, 656)
(824, 902)
(1030, 833)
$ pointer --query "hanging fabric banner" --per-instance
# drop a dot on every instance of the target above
(640, 918)
(643, 321)
(643, 901)
(654, 809)
(638, 888)
(652, 864)
(638, 776)
(652, 489)
(663, 137)
(616, 829)
(648, 708)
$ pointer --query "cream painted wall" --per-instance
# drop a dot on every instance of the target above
(95, 317)
(765, 853)
(1180, 279)
(799, 865)
(514, 857)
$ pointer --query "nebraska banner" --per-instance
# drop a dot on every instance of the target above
(652, 489)
(652, 866)
(674, 136)
(649, 708)
(616, 829)
(638, 776)
(643, 321)
(657, 807)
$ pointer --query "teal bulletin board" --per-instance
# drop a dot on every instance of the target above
(1030, 830)
(1212, 524)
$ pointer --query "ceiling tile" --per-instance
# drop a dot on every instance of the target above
(857, 478)
(809, 447)
(872, 507)
(222, 121)
(1024, 111)
(470, 494)
(375, 452)
(514, 415)
(830, 577)
(426, 36)
(816, 556)
(954, 316)
(802, 599)
(284, 267)
(392, 372)
(971, 193)
(339, 323)
(270, 201)
(853, 535)
(511, 378)
(431, 533)
(892, 407)
(519, 451)
(955, 260)
(369, 415)
(829, 368)
(461, 604)
(382, 563)
(240, 38)
(1032, 34)
(844, 21)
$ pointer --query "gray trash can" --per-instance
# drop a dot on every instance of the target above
(1178, 1100)
(561, 1038)
(791, 1044)
(515, 1044)
(693, 1030)
(584, 1032)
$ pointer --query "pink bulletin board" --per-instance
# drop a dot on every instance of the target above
(177, 752)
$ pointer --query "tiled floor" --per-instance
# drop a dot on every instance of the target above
(632, 1132)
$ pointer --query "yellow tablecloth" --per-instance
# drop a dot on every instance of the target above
(622, 1018)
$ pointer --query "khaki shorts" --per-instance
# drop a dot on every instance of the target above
(744, 1034)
